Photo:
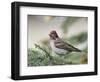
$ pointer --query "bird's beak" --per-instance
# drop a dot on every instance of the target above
(49, 34)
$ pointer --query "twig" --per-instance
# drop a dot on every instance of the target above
(37, 46)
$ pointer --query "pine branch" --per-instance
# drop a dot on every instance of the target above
(47, 53)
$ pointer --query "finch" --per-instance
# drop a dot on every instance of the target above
(59, 46)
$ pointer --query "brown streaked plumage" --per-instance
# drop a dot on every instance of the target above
(59, 46)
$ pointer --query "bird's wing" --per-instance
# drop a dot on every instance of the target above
(63, 45)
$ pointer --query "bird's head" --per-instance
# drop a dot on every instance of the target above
(53, 35)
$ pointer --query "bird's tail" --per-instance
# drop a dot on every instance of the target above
(79, 50)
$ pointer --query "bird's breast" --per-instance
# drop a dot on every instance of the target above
(57, 50)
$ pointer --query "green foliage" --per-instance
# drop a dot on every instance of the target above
(40, 56)
(80, 38)
(36, 58)
(68, 22)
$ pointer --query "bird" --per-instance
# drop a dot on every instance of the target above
(59, 46)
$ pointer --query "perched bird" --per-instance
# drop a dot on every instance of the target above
(59, 46)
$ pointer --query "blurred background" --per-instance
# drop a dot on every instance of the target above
(71, 29)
